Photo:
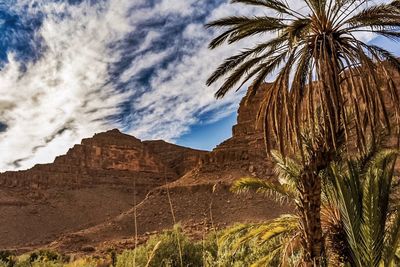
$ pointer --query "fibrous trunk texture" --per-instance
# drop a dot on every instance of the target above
(309, 208)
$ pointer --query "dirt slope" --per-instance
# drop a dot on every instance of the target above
(94, 182)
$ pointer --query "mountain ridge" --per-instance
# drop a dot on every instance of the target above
(94, 181)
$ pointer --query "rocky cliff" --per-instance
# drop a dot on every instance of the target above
(179, 159)
(109, 158)
(241, 155)
(93, 182)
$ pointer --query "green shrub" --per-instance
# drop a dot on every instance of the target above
(45, 256)
(7, 258)
(165, 250)
(22, 261)
(47, 264)
(230, 254)
(41, 258)
(85, 262)
(209, 246)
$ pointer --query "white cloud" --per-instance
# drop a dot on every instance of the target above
(178, 92)
(64, 89)
(64, 96)
(143, 62)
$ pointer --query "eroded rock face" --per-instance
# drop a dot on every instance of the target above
(180, 159)
(245, 149)
(109, 158)
(93, 182)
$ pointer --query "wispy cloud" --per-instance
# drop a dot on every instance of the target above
(53, 102)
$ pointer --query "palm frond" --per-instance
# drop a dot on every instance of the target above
(362, 196)
(375, 17)
(279, 237)
(317, 46)
(232, 62)
(280, 192)
(286, 168)
(242, 27)
(276, 5)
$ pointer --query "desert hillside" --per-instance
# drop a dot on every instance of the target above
(95, 181)
(90, 197)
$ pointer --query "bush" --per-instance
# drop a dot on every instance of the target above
(47, 264)
(23, 261)
(164, 250)
(41, 258)
(45, 256)
(7, 258)
(86, 262)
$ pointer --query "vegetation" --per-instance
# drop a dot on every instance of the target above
(361, 225)
(163, 250)
(325, 76)
(46, 258)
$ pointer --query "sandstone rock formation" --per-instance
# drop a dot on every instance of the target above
(246, 144)
(95, 181)
(109, 158)
(179, 159)
(241, 155)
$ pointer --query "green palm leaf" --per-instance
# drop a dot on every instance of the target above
(280, 192)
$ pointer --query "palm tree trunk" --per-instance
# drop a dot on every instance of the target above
(309, 208)
(324, 147)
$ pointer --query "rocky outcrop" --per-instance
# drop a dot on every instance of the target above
(245, 149)
(109, 158)
(180, 159)
(92, 183)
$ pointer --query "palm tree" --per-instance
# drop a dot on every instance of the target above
(325, 76)
(362, 226)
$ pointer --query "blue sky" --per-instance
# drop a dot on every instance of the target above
(69, 69)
